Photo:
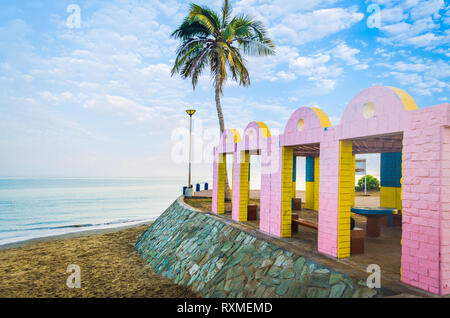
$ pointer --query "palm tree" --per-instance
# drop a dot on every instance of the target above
(217, 41)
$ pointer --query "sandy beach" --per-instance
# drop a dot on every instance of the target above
(110, 267)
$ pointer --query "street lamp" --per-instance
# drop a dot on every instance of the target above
(190, 112)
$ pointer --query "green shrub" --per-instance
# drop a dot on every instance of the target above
(372, 183)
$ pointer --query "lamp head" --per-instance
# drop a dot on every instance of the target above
(190, 112)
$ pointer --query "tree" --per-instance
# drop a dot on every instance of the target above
(372, 183)
(218, 41)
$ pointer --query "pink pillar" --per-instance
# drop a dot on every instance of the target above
(270, 204)
(328, 193)
(425, 239)
(445, 211)
(215, 180)
(264, 209)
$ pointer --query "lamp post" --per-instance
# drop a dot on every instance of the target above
(190, 112)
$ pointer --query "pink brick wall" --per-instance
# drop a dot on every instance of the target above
(312, 130)
(270, 211)
(390, 115)
(328, 193)
(265, 204)
(445, 211)
(422, 193)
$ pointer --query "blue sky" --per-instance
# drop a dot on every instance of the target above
(99, 100)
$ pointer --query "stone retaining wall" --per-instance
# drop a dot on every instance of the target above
(213, 258)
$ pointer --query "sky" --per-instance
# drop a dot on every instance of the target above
(94, 97)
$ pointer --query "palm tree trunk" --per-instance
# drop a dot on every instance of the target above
(222, 129)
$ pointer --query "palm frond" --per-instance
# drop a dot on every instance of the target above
(206, 17)
(244, 77)
(195, 65)
(185, 52)
(256, 47)
(189, 29)
(226, 13)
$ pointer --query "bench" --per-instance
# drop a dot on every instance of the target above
(306, 223)
(252, 212)
(296, 204)
(356, 235)
(357, 241)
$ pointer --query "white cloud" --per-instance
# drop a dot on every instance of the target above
(423, 40)
(393, 15)
(54, 98)
(348, 54)
(301, 28)
(269, 11)
(412, 22)
(426, 8)
(421, 76)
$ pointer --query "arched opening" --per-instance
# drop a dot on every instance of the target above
(378, 212)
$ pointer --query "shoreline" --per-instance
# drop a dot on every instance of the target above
(69, 235)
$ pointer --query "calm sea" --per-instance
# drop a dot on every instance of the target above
(32, 208)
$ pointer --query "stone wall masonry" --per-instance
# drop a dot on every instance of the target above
(216, 259)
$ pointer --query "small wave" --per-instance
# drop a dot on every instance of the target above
(116, 222)
(42, 232)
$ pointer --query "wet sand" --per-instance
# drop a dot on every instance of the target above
(109, 264)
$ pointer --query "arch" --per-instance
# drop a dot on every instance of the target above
(228, 141)
(376, 110)
(323, 117)
(253, 135)
(407, 100)
(306, 125)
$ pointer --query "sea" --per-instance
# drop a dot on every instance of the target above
(41, 207)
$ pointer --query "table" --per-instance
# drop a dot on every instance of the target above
(374, 216)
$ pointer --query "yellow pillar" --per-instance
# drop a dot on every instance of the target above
(346, 188)
(244, 186)
(286, 191)
(316, 182)
(353, 191)
(309, 182)
(294, 177)
(221, 184)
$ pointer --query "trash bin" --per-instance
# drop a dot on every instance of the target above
(206, 185)
(197, 187)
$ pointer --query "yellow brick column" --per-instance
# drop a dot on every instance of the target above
(294, 177)
(249, 167)
(316, 182)
(400, 200)
(244, 185)
(286, 191)
(399, 205)
(221, 184)
(353, 192)
(309, 182)
(346, 188)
